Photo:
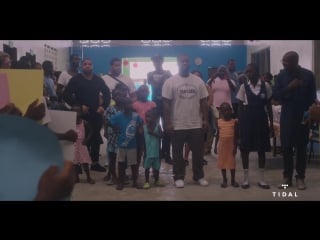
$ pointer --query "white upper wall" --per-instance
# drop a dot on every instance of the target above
(279, 47)
(37, 47)
(277, 50)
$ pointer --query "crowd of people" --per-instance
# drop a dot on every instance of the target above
(185, 113)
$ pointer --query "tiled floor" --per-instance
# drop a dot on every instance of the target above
(193, 192)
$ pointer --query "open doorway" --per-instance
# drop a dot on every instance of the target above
(262, 60)
(138, 68)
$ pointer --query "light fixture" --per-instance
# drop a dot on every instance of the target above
(94, 43)
(215, 43)
(156, 43)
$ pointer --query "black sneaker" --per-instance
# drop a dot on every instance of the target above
(204, 162)
(97, 167)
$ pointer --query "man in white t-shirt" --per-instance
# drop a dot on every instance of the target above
(185, 115)
(65, 76)
(115, 73)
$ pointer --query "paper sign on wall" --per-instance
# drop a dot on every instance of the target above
(25, 86)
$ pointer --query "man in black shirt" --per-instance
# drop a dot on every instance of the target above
(84, 90)
(295, 89)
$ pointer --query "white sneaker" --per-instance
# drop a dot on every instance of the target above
(179, 183)
(203, 182)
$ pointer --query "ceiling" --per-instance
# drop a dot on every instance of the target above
(114, 43)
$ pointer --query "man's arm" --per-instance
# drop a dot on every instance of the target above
(232, 84)
(204, 112)
(281, 91)
(312, 97)
(167, 104)
(70, 89)
(149, 78)
(105, 94)
(59, 90)
(270, 114)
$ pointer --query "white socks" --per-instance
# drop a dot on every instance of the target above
(262, 182)
(246, 177)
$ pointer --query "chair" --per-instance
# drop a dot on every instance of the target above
(313, 138)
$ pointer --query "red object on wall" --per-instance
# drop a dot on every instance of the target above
(125, 63)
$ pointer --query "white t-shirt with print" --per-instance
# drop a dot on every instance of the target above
(64, 78)
(185, 93)
(111, 82)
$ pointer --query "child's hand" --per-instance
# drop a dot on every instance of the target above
(70, 135)
(54, 186)
(35, 112)
(11, 109)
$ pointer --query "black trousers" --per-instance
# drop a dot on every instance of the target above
(194, 137)
(301, 161)
(95, 124)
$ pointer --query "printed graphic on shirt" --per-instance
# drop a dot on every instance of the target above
(130, 132)
(157, 78)
(187, 91)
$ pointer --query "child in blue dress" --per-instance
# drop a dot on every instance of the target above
(152, 135)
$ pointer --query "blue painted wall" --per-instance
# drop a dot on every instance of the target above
(211, 56)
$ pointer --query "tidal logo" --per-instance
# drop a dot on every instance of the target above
(285, 194)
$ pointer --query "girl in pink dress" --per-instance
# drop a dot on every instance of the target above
(81, 156)
(141, 106)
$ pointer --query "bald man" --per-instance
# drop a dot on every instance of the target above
(295, 89)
